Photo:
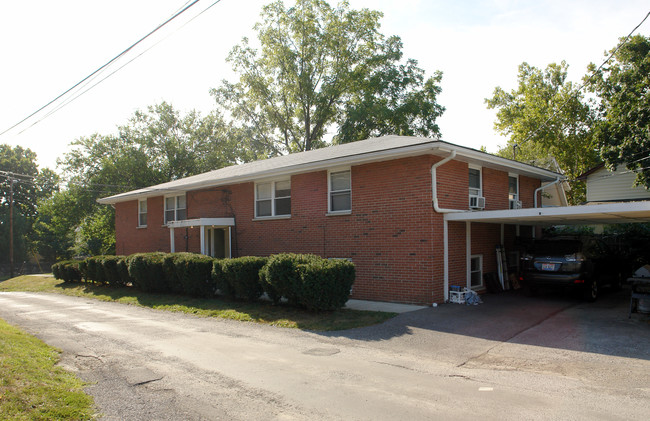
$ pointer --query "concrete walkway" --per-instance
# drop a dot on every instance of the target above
(382, 306)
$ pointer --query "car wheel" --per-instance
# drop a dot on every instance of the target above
(592, 291)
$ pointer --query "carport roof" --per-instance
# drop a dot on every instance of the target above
(607, 213)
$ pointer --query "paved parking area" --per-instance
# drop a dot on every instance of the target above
(512, 357)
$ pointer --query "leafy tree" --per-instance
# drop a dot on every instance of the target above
(155, 146)
(29, 186)
(623, 131)
(392, 99)
(317, 66)
(547, 121)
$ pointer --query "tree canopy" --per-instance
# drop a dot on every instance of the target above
(319, 66)
(155, 146)
(623, 130)
(547, 121)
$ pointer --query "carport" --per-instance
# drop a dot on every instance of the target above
(605, 213)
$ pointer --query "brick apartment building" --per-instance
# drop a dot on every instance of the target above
(380, 202)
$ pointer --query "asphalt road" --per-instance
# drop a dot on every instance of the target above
(507, 359)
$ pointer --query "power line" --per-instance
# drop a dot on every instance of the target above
(77, 95)
(584, 85)
(104, 65)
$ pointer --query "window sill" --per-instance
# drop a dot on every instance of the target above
(337, 213)
(271, 218)
(139, 227)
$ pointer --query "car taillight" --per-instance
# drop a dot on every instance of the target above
(527, 257)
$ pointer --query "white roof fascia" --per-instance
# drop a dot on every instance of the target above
(433, 146)
(607, 213)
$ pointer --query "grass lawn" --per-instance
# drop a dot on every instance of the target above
(260, 312)
(32, 387)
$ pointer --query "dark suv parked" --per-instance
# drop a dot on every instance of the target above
(583, 265)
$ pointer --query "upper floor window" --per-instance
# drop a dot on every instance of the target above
(273, 198)
(340, 191)
(142, 213)
(513, 191)
(475, 187)
(175, 208)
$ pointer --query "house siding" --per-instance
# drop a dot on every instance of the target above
(604, 185)
(392, 234)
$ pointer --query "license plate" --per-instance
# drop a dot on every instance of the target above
(548, 266)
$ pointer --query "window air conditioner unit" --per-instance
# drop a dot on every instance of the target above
(476, 202)
(515, 204)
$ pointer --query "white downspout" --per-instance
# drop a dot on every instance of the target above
(445, 228)
(545, 186)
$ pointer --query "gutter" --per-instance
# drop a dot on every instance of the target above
(434, 185)
(545, 186)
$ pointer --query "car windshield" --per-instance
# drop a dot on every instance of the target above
(556, 247)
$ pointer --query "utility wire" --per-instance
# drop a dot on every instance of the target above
(77, 95)
(104, 65)
(589, 80)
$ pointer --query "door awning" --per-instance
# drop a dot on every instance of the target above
(604, 213)
(202, 222)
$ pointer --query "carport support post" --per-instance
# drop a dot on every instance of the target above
(468, 252)
(172, 247)
(445, 259)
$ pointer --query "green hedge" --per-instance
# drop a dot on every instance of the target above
(194, 273)
(241, 277)
(325, 284)
(308, 281)
(304, 280)
(146, 271)
(67, 271)
(281, 278)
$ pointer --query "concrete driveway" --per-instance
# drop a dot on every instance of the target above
(511, 358)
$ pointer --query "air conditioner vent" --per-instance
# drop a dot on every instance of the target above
(476, 202)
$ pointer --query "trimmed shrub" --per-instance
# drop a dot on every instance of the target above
(83, 269)
(281, 278)
(94, 269)
(242, 277)
(194, 271)
(146, 271)
(325, 284)
(219, 279)
(115, 270)
(67, 271)
(172, 273)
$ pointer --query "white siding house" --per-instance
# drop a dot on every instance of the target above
(607, 186)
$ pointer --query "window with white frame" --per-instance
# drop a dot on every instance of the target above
(340, 191)
(476, 271)
(475, 188)
(513, 187)
(175, 208)
(273, 198)
(142, 213)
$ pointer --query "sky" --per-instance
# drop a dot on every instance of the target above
(48, 46)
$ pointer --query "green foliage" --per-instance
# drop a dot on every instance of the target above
(622, 133)
(94, 270)
(548, 123)
(309, 281)
(325, 284)
(115, 270)
(96, 234)
(316, 66)
(192, 272)
(67, 271)
(146, 271)
(218, 277)
(281, 278)
(29, 188)
(242, 277)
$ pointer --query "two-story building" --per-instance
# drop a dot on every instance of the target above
(383, 203)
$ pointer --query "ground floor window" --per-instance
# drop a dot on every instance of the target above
(476, 271)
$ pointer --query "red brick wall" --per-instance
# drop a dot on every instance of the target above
(392, 234)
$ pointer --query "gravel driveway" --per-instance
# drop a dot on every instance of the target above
(510, 358)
